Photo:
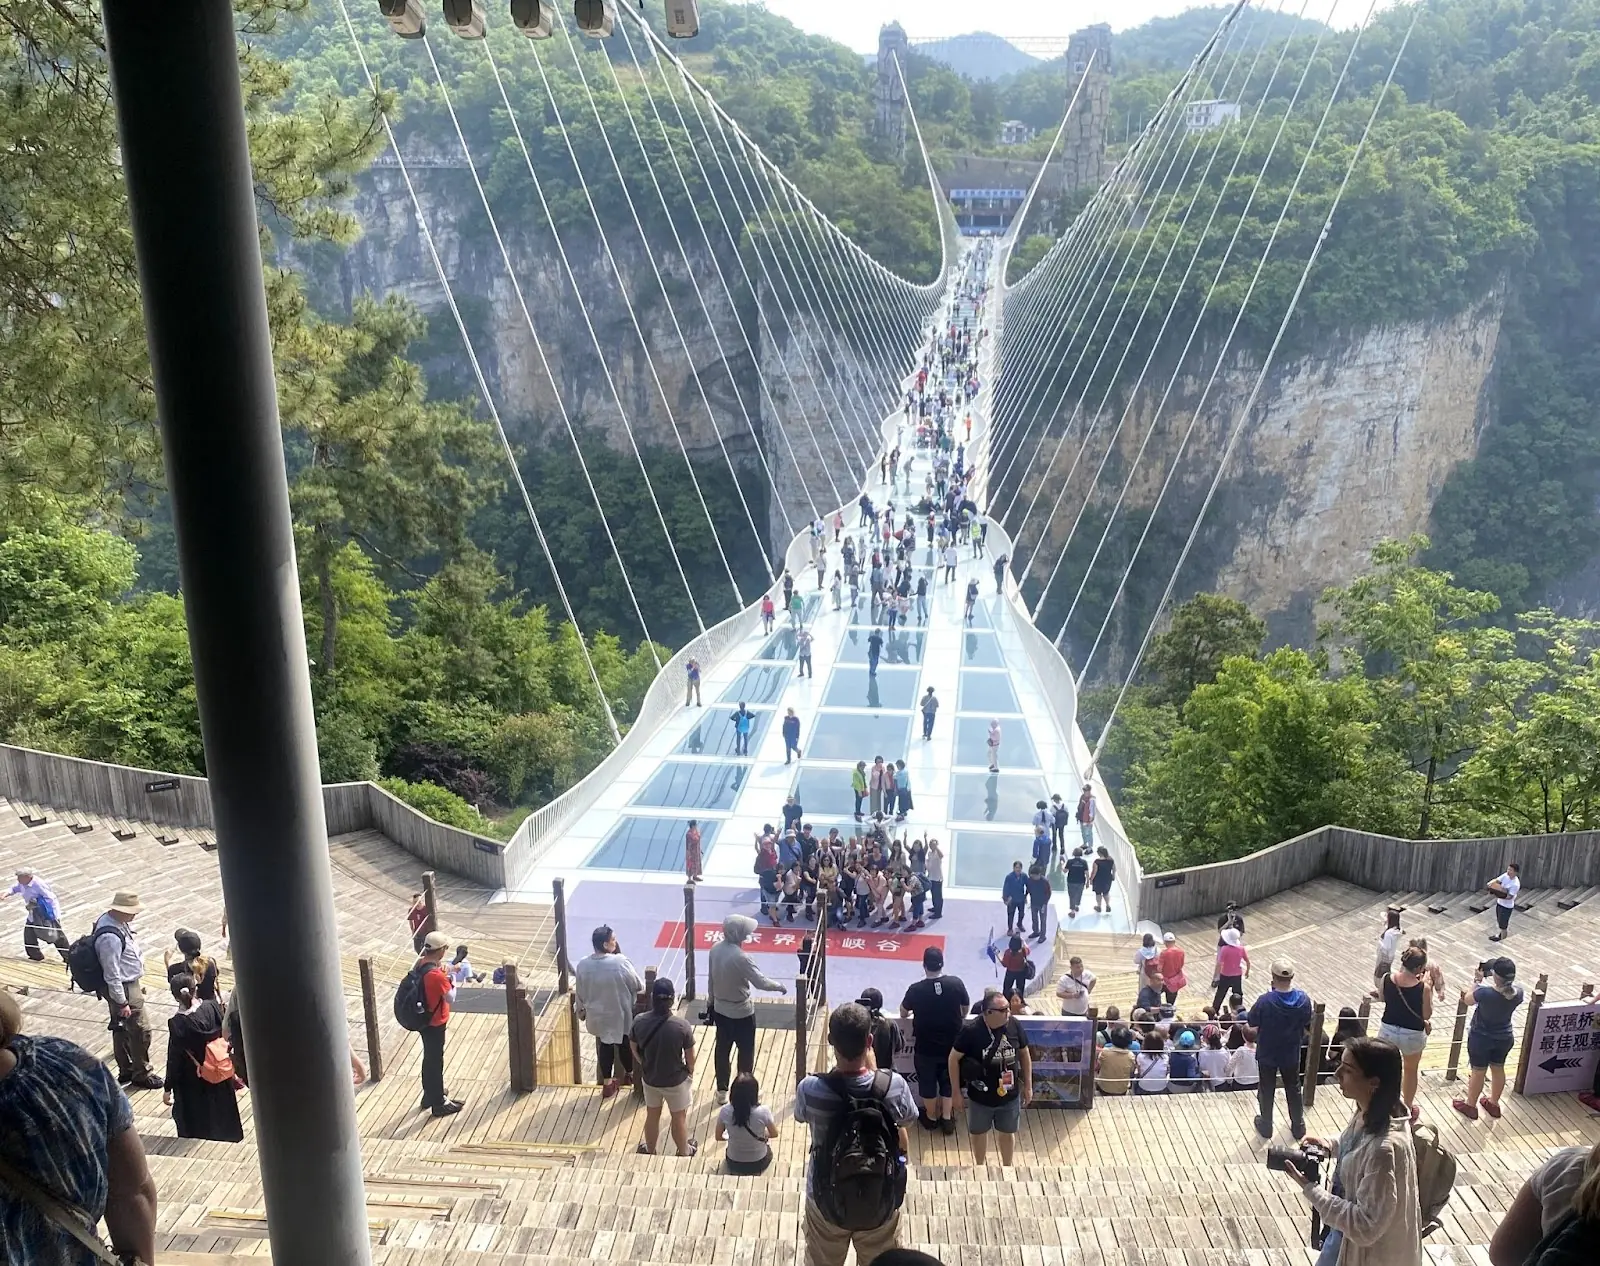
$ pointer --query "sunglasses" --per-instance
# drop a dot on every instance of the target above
(998, 1010)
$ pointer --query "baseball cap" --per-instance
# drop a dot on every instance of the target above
(1283, 968)
(663, 988)
(1169, 938)
(1186, 1039)
(435, 941)
(871, 999)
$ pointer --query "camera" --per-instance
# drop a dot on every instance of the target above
(1306, 1157)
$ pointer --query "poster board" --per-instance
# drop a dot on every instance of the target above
(1565, 1048)
(1061, 1047)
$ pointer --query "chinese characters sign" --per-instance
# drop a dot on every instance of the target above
(852, 943)
(1566, 1044)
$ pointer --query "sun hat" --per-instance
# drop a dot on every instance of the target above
(1230, 936)
(126, 903)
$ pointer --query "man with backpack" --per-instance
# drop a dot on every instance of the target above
(422, 1004)
(109, 964)
(856, 1174)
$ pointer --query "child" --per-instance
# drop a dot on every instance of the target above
(1213, 1060)
(1243, 1071)
(1184, 1064)
(1154, 1075)
(1014, 960)
(897, 898)
(461, 972)
(747, 1127)
(918, 895)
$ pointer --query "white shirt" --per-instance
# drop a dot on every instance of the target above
(1242, 1066)
(1513, 886)
(1153, 1075)
(35, 890)
(1214, 1064)
(460, 973)
(935, 866)
(1074, 992)
(1387, 943)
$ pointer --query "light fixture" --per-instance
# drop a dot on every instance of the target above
(404, 17)
(534, 18)
(595, 18)
(465, 18)
(683, 19)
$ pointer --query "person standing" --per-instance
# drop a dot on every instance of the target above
(732, 974)
(1101, 876)
(1408, 1014)
(743, 719)
(691, 683)
(438, 993)
(991, 1063)
(417, 919)
(199, 1090)
(874, 650)
(797, 607)
(1015, 893)
(1388, 946)
(1505, 890)
(1171, 960)
(663, 1052)
(1085, 815)
(791, 734)
(902, 791)
(1074, 988)
(993, 744)
(922, 599)
(1077, 873)
(865, 1212)
(802, 646)
(693, 862)
(837, 590)
(1233, 965)
(1490, 1036)
(1059, 817)
(768, 613)
(122, 966)
(971, 601)
(607, 987)
(41, 915)
(1280, 1018)
(937, 1005)
(1000, 573)
(936, 879)
(1038, 903)
(879, 782)
(930, 708)
(951, 558)
(859, 785)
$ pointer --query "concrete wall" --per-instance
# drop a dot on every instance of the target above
(1379, 862)
(117, 791)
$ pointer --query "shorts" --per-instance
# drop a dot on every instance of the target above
(1410, 1041)
(1007, 1118)
(933, 1075)
(679, 1098)
(1486, 1050)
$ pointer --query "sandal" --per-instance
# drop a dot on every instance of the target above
(1465, 1109)
(694, 1146)
(1491, 1107)
(644, 1150)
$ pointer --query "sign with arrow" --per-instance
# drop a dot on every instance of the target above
(1566, 1046)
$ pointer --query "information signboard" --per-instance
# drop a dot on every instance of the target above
(1062, 1049)
(1566, 1044)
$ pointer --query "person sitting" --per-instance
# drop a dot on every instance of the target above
(1243, 1071)
(746, 1125)
(1213, 1060)
(1184, 1064)
(1154, 1073)
(460, 970)
(1347, 1027)
(1558, 1200)
(1115, 1064)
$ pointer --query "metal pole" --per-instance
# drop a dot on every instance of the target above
(180, 121)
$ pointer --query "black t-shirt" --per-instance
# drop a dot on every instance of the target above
(987, 1056)
(937, 1008)
(1077, 871)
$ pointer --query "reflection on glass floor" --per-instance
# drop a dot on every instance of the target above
(681, 784)
(981, 650)
(825, 794)
(898, 647)
(759, 683)
(649, 844)
(891, 688)
(1016, 744)
(1004, 797)
(852, 737)
(713, 733)
(988, 693)
(982, 859)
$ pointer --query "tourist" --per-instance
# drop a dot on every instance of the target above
(1152, 1071)
(1388, 945)
(874, 650)
(460, 969)
(732, 974)
(1000, 573)
(797, 608)
(1039, 893)
(1559, 1201)
(1505, 890)
(1014, 891)
(819, 1102)
(879, 782)
(607, 986)
(122, 969)
(991, 1065)
(1014, 961)
(693, 862)
(1213, 1060)
(1074, 988)
(936, 879)
(802, 646)
(937, 1005)
(1244, 1072)
(1115, 1063)
(691, 686)
(791, 736)
(1101, 876)
(1490, 1036)
(971, 602)
(41, 918)
(1280, 1018)
(859, 785)
(662, 1046)
(993, 744)
(930, 706)
(837, 590)
(1171, 966)
(902, 791)
(1373, 1204)
(1408, 1014)
(1077, 875)
(1040, 850)
(1085, 814)
(1233, 965)
(746, 1125)
(437, 995)
(1346, 1027)
(199, 1087)
(1147, 963)
(768, 613)
(62, 1116)
(1059, 817)
(743, 721)
(190, 960)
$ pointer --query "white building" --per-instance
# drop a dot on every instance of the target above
(1203, 116)
(1015, 132)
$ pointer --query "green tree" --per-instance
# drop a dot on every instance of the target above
(1206, 630)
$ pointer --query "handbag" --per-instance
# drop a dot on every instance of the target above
(68, 1217)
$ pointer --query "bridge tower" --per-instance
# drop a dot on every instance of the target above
(890, 125)
(1084, 148)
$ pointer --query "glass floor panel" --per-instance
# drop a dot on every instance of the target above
(649, 844)
(849, 736)
(1004, 797)
(892, 688)
(1016, 744)
(981, 650)
(898, 647)
(681, 784)
(759, 683)
(987, 693)
(982, 859)
(713, 734)
(826, 797)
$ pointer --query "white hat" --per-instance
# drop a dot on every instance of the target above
(1230, 936)
(1169, 938)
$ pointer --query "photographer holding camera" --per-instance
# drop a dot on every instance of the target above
(1372, 1209)
(1496, 996)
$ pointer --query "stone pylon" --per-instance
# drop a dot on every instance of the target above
(1084, 146)
(890, 124)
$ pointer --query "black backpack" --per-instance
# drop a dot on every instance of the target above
(1570, 1243)
(857, 1176)
(411, 1008)
(83, 959)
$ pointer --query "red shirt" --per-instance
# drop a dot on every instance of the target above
(436, 991)
(417, 916)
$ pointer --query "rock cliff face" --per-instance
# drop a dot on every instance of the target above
(1341, 450)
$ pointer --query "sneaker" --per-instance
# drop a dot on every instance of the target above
(1590, 1101)
(1490, 1106)
(947, 1125)
(447, 1109)
(1298, 1131)
(148, 1082)
(609, 1089)
(694, 1146)
(722, 1097)
(1465, 1109)
(1263, 1128)
(927, 1122)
